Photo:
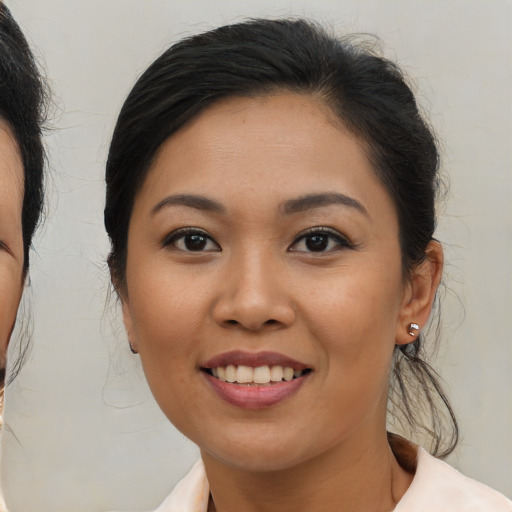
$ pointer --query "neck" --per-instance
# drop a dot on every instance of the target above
(351, 477)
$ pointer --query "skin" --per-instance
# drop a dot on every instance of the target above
(11, 241)
(256, 286)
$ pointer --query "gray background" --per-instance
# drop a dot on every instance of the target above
(87, 434)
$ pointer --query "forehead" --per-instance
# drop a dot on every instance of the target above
(284, 144)
(251, 136)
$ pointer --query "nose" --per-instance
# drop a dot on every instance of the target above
(254, 295)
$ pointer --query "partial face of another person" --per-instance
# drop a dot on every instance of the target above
(264, 285)
(11, 241)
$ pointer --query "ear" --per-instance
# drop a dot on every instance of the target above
(128, 325)
(420, 294)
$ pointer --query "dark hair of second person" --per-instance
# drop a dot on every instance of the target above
(23, 101)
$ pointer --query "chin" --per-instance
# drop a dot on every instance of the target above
(256, 460)
(257, 451)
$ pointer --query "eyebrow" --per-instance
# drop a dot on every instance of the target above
(191, 201)
(300, 204)
(320, 200)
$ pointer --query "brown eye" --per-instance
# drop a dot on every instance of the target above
(4, 247)
(317, 243)
(191, 240)
(195, 242)
(320, 240)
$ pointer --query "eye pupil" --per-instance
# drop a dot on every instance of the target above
(317, 242)
(195, 242)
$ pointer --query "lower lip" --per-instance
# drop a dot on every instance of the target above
(255, 397)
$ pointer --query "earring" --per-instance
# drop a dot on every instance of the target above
(132, 350)
(413, 329)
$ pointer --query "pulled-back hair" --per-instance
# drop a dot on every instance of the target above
(366, 92)
(23, 107)
(23, 100)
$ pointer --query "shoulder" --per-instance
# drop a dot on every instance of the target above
(3, 508)
(190, 495)
(438, 487)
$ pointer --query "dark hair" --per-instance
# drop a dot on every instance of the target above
(23, 107)
(367, 92)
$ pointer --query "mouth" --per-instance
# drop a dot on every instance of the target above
(256, 376)
(255, 380)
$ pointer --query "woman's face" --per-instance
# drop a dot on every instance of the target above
(263, 248)
(11, 241)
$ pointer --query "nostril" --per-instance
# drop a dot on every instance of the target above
(267, 323)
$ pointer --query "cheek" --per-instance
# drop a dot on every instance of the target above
(168, 295)
(354, 320)
(168, 309)
(357, 304)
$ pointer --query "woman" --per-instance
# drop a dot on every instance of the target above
(21, 173)
(270, 203)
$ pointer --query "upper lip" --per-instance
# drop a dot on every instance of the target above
(254, 359)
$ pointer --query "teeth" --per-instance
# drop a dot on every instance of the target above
(230, 373)
(288, 373)
(244, 374)
(276, 373)
(260, 375)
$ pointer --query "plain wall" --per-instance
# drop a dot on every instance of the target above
(84, 432)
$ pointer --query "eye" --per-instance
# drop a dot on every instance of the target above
(4, 247)
(191, 240)
(320, 240)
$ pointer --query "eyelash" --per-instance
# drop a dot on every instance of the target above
(173, 238)
(4, 247)
(341, 241)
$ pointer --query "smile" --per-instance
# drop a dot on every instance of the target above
(255, 380)
(255, 376)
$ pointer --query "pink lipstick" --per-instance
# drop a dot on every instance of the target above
(255, 380)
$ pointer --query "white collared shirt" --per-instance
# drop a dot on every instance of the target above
(436, 487)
